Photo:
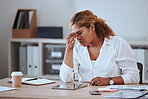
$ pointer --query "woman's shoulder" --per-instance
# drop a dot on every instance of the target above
(118, 40)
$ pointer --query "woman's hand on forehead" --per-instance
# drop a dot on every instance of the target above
(71, 35)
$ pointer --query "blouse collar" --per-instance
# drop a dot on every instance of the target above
(106, 42)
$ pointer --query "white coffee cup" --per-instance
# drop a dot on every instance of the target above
(16, 79)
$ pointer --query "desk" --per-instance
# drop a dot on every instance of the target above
(45, 92)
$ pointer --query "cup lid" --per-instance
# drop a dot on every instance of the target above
(16, 74)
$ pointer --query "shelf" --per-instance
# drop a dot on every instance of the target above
(37, 40)
(138, 42)
(14, 45)
(43, 45)
(45, 40)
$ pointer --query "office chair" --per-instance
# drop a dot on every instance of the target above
(140, 67)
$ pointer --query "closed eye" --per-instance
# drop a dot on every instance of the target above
(79, 33)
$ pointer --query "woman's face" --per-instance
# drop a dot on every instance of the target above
(84, 35)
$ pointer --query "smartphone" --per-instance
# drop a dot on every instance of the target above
(94, 92)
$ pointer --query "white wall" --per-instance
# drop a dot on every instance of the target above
(49, 13)
(128, 18)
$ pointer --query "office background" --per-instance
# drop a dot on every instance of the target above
(127, 18)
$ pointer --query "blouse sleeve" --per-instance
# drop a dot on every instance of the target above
(67, 73)
(127, 63)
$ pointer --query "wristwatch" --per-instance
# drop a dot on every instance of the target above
(111, 82)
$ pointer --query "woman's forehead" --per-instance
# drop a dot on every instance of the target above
(75, 28)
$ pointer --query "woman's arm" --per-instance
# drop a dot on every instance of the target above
(68, 57)
(126, 61)
(99, 81)
(66, 70)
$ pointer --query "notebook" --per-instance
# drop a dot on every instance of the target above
(35, 81)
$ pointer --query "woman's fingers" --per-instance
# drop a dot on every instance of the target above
(70, 35)
(70, 40)
(98, 83)
(73, 42)
(92, 82)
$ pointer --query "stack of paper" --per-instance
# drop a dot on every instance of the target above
(128, 87)
(127, 94)
(2, 88)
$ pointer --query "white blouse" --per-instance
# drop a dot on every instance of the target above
(116, 58)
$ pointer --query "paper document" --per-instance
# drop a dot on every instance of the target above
(128, 87)
(2, 88)
(35, 81)
(127, 94)
(106, 90)
(39, 82)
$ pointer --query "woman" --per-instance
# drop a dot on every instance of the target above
(100, 57)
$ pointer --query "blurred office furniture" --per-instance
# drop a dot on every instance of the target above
(140, 67)
(25, 24)
(50, 32)
(142, 57)
(44, 57)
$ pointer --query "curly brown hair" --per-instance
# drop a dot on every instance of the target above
(86, 18)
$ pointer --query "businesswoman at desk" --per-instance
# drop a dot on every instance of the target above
(100, 57)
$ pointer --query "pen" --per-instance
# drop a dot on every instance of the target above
(32, 79)
(137, 89)
(132, 89)
(142, 90)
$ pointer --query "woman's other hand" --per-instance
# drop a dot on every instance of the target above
(70, 40)
(99, 81)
